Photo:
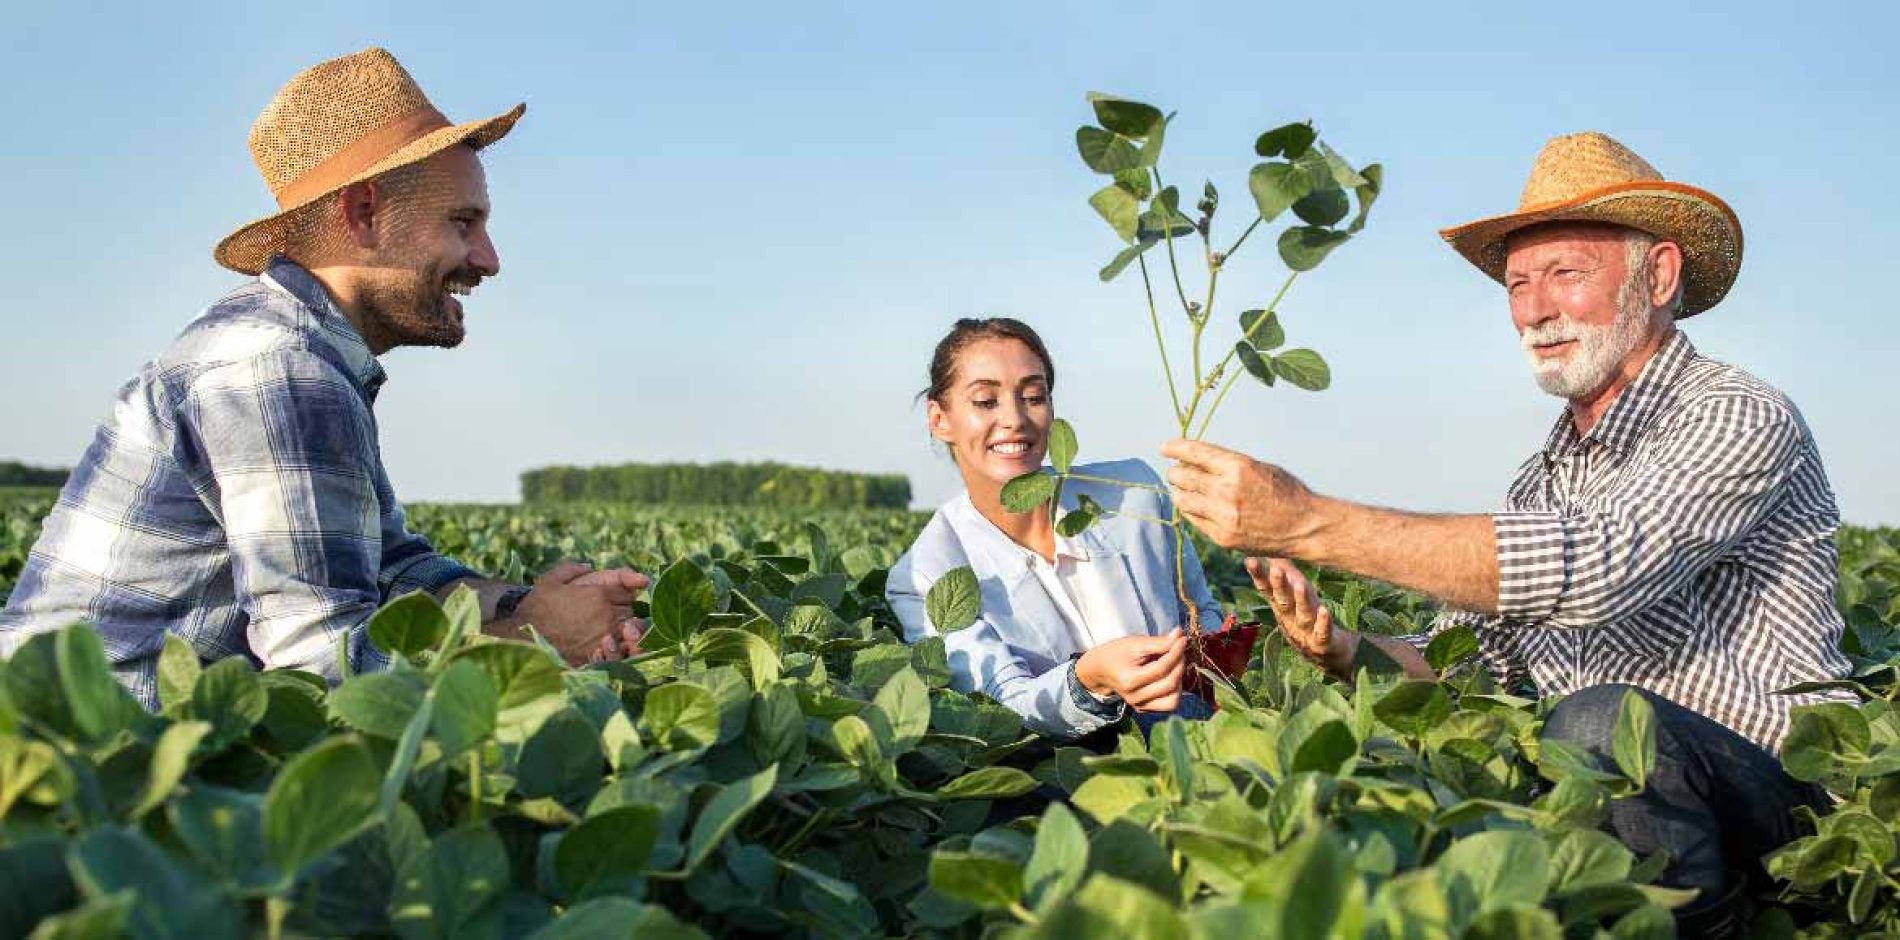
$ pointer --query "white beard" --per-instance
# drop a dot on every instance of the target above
(1599, 351)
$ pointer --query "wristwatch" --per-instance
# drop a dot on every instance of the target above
(505, 604)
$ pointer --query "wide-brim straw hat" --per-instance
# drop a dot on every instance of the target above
(1589, 177)
(342, 122)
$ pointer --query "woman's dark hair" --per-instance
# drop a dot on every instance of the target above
(943, 362)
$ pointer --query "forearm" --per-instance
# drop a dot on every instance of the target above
(487, 594)
(1452, 559)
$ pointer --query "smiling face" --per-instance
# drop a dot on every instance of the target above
(995, 412)
(1585, 314)
(432, 247)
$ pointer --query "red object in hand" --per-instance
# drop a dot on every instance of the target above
(1224, 653)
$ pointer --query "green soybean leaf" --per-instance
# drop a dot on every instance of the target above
(1451, 647)
(1324, 207)
(682, 597)
(1288, 140)
(1633, 742)
(1413, 707)
(1367, 194)
(1303, 247)
(1304, 368)
(1261, 329)
(1124, 258)
(1062, 445)
(904, 704)
(1124, 117)
(1255, 364)
(985, 881)
(563, 760)
(454, 889)
(171, 758)
(467, 705)
(1028, 491)
(1495, 869)
(378, 703)
(1821, 736)
(732, 645)
(178, 669)
(170, 899)
(321, 799)
(1077, 521)
(410, 624)
(680, 716)
(224, 831)
(1137, 181)
(1583, 857)
(989, 783)
(1515, 923)
(1105, 151)
(607, 850)
(1276, 187)
(1119, 208)
(529, 684)
(1059, 860)
(230, 697)
(954, 601)
(724, 813)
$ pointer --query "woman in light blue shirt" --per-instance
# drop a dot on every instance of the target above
(1074, 631)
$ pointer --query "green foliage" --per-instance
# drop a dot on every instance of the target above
(792, 769)
(716, 484)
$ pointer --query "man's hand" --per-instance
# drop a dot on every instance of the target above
(585, 614)
(1306, 623)
(1145, 671)
(1238, 501)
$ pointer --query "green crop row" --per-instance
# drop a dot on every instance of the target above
(719, 484)
(779, 763)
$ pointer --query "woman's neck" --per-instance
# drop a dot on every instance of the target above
(1032, 530)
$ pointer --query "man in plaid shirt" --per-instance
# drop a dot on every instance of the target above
(1673, 538)
(235, 496)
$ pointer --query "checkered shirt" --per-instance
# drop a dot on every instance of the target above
(235, 497)
(1685, 545)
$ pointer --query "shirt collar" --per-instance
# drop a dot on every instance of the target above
(291, 278)
(1635, 407)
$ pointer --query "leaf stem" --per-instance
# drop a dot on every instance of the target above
(1114, 482)
(475, 785)
(1167, 235)
(1022, 913)
(1194, 403)
(1154, 317)
(1243, 237)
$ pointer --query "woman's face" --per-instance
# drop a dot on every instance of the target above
(995, 415)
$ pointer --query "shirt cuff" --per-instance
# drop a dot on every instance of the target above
(1533, 564)
(428, 573)
(1109, 709)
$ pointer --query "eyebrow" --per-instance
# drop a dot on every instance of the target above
(479, 212)
(992, 383)
(1586, 260)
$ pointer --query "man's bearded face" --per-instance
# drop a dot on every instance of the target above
(433, 248)
(1582, 311)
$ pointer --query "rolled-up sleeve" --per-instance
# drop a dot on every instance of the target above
(1683, 502)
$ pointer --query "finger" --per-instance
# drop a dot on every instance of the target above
(1145, 694)
(1196, 453)
(1168, 662)
(1187, 479)
(1303, 604)
(632, 631)
(1323, 630)
(563, 572)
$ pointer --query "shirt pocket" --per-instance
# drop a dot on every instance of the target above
(1649, 645)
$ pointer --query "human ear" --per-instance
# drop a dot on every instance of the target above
(358, 204)
(1665, 272)
(939, 420)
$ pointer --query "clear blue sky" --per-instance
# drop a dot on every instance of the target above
(733, 231)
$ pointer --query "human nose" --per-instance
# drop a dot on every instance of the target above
(1532, 306)
(483, 256)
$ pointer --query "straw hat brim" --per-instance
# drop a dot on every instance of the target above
(1703, 225)
(249, 248)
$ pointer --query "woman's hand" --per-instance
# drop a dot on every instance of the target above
(1145, 671)
(1305, 622)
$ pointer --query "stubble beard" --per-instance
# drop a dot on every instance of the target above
(413, 310)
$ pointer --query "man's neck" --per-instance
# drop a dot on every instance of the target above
(1586, 412)
(340, 283)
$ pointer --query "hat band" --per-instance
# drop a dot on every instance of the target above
(342, 167)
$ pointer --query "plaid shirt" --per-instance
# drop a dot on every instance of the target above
(1685, 545)
(235, 497)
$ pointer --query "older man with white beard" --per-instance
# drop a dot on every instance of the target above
(1673, 537)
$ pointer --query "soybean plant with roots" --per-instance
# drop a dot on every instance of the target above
(1298, 172)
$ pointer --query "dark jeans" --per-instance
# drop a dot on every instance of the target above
(1715, 801)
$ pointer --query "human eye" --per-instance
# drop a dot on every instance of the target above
(984, 403)
(1036, 398)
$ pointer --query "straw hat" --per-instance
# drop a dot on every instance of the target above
(1589, 177)
(341, 122)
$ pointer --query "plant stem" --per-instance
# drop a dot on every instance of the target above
(1243, 237)
(798, 838)
(1138, 517)
(1154, 317)
(1167, 235)
(475, 785)
(1194, 403)
(1022, 913)
(1086, 478)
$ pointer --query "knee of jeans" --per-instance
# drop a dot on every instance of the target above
(1587, 717)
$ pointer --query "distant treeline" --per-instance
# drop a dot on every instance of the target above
(722, 484)
(19, 474)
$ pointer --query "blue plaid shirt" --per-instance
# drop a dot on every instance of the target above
(235, 497)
